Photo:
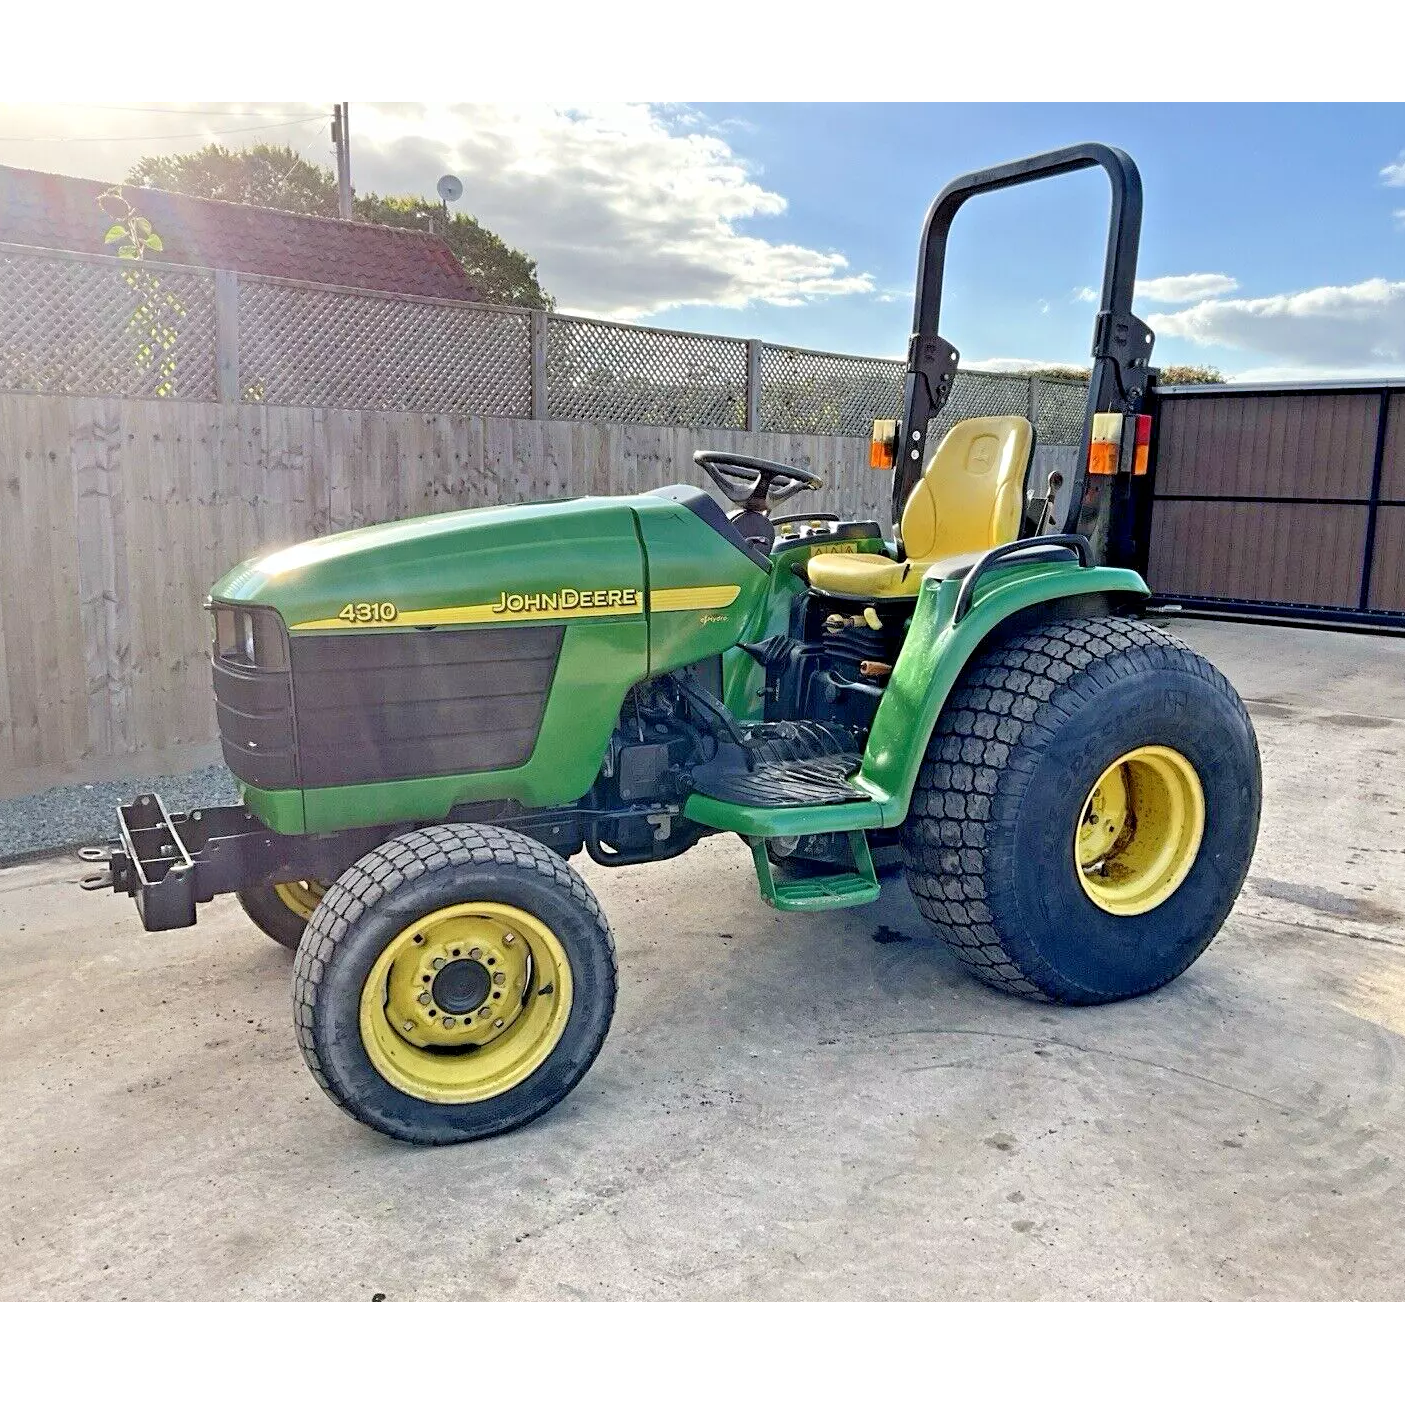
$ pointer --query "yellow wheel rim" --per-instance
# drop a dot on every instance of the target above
(466, 1003)
(301, 897)
(1139, 830)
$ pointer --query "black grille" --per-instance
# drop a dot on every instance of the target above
(379, 707)
(360, 707)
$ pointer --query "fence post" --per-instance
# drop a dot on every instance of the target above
(753, 385)
(537, 335)
(227, 336)
(1034, 401)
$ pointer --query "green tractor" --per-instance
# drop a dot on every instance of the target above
(430, 718)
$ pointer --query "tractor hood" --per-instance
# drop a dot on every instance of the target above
(520, 564)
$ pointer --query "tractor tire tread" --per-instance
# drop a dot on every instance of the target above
(1009, 704)
(379, 873)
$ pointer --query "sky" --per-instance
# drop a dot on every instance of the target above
(1273, 241)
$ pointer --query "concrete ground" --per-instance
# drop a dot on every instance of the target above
(787, 1107)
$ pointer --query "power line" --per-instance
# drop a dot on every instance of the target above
(179, 136)
(188, 111)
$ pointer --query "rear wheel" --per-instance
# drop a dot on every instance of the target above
(281, 910)
(454, 983)
(1086, 811)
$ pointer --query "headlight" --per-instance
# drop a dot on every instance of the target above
(249, 638)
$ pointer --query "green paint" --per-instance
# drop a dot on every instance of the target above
(935, 651)
(451, 559)
(469, 558)
(683, 553)
(645, 544)
(280, 810)
(933, 655)
(794, 819)
(823, 891)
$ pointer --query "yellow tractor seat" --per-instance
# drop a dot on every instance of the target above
(970, 498)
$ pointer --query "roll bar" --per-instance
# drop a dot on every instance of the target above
(1122, 343)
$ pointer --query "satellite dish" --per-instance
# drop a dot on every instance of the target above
(449, 188)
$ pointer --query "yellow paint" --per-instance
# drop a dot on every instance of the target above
(630, 602)
(694, 597)
(368, 612)
(301, 897)
(472, 1056)
(969, 498)
(1139, 831)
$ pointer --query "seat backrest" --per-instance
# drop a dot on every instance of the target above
(971, 494)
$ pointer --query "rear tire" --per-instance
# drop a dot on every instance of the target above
(1008, 798)
(454, 983)
(281, 910)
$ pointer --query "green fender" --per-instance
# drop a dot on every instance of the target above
(933, 655)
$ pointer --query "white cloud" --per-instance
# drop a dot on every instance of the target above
(1394, 174)
(1400, 218)
(1355, 327)
(1044, 305)
(1185, 287)
(1015, 365)
(629, 209)
(1085, 294)
(1273, 374)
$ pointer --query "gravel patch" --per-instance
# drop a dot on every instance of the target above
(74, 815)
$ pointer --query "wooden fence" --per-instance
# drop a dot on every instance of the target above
(116, 516)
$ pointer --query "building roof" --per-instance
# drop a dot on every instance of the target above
(61, 212)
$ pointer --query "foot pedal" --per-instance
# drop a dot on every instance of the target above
(827, 890)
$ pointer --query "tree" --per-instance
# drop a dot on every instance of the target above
(278, 178)
(1191, 375)
(1166, 375)
(273, 176)
(501, 273)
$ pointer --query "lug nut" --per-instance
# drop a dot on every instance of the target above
(485, 1011)
(510, 938)
(424, 997)
(408, 1026)
(448, 1022)
(438, 963)
(499, 978)
(497, 1024)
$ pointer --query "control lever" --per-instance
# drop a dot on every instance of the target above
(1046, 511)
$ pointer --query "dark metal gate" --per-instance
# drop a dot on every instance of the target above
(1282, 501)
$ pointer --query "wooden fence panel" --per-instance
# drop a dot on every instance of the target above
(117, 515)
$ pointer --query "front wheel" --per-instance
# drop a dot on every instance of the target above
(1086, 812)
(454, 983)
(281, 910)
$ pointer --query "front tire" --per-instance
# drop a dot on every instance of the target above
(454, 983)
(282, 910)
(1086, 812)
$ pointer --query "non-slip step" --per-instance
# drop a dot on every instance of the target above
(824, 780)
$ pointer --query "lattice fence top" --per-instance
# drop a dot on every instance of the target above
(1059, 410)
(101, 326)
(643, 375)
(301, 345)
(80, 324)
(814, 392)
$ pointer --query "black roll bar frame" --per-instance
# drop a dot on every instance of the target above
(1122, 342)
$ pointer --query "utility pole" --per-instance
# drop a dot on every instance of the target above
(341, 139)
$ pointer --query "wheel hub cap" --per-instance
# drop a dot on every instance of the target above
(466, 1002)
(1140, 830)
(461, 986)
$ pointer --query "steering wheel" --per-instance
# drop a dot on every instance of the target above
(750, 482)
